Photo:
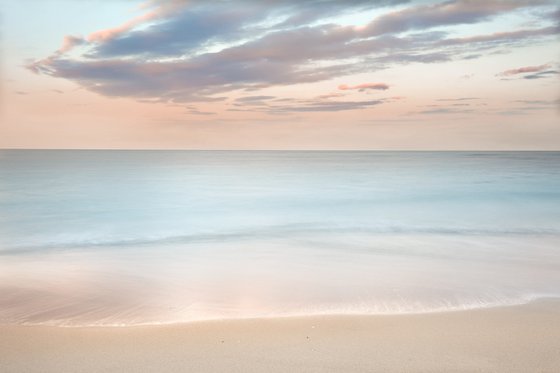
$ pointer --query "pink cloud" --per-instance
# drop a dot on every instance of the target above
(364, 86)
(526, 69)
(163, 8)
(69, 42)
(110, 33)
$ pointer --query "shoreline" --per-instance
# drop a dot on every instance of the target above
(516, 338)
(325, 314)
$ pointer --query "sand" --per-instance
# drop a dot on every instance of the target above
(507, 339)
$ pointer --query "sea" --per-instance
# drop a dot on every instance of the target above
(126, 237)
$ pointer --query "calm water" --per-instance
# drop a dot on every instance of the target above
(139, 237)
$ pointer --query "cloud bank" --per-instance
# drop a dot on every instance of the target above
(184, 52)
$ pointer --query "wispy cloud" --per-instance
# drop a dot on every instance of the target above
(254, 98)
(331, 95)
(323, 103)
(459, 99)
(364, 86)
(523, 70)
(328, 106)
(542, 74)
(540, 102)
(441, 14)
(319, 105)
(445, 110)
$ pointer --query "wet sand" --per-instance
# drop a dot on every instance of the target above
(506, 339)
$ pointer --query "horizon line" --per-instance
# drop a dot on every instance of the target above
(281, 150)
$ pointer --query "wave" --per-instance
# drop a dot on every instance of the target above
(274, 232)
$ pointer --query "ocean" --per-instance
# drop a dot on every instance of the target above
(114, 238)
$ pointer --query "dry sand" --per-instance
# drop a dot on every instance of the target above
(507, 339)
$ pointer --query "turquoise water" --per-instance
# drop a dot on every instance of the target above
(142, 237)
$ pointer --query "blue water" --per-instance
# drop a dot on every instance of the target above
(141, 237)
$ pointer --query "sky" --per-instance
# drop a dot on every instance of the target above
(280, 74)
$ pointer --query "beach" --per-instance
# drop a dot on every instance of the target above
(280, 186)
(523, 338)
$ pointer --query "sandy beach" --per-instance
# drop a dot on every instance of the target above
(507, 339)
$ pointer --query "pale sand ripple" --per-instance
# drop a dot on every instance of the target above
(506, 339)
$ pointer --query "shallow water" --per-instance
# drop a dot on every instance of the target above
(142, 237)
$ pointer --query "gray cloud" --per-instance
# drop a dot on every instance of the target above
(501, 38)
(327, 106)
(445, 110)
(459, 99)
(542, 74)
(458, 105)
(441, 14)
(254, 98)
(313, 105)
(186, 31)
